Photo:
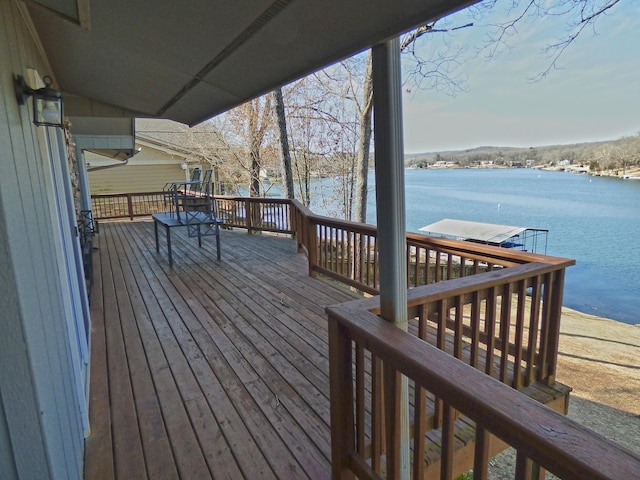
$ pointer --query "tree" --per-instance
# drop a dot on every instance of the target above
(257, 114)
(578, 16)
(364, 143)
(433, 72)
(285, 154)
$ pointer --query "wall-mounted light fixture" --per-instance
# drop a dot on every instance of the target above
(47, 102)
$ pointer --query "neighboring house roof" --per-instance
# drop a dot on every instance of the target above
(190, 60)
(167, 147)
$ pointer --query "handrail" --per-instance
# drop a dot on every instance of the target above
(347, 251)
(255, 213)
(538, 434)
(341, 249)
(509, 320)
(127, 205)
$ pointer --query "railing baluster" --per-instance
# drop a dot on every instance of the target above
(481, 454)
(543, 366)
(392, 387)
(448, 443)
(505, 330)
(520, 319)
(360, 400)
(419, 430)
(441, 344)
(350, 255)
(534, 321)
(422, 322)
(377, 415)
(375, 262)
(408, 263)
(418, 268)
(475, 329)
(129, 206)
(490, 330)
(457, 334)
(523, 467)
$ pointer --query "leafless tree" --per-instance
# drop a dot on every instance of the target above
(285, 154)
(578, 17)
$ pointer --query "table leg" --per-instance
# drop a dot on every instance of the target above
(169, 245)
(155, 229)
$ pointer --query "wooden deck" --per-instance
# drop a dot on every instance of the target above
(209, 369)
(219, 368)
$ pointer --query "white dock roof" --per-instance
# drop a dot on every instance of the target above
(484, 232)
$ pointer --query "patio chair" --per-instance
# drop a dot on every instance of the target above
(200, 214)
(176, 192)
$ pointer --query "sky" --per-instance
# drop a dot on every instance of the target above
(593, 95)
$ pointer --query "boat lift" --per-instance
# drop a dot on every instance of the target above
(525, 239)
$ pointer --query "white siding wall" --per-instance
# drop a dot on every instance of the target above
(41, 434)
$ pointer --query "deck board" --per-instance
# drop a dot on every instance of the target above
(208, 369)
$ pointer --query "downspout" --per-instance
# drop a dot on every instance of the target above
(121, 164)
(105, 167)
(390, 208)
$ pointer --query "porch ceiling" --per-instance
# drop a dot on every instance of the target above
(190, 60)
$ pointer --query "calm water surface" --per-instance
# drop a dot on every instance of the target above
(594, 220)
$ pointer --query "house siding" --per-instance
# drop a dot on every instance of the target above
(134, 178)
(148, 171)
(41, 431)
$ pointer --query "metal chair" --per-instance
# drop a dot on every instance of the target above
(200, 214)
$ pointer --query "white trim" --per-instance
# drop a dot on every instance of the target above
(74, 295)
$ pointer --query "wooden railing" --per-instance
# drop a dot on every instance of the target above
(365, 350)
(254, 214)
(127, 205)
(504, 323)
(348, 252)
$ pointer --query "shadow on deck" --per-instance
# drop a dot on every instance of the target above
(210, 368)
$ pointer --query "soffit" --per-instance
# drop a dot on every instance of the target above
(190, 60)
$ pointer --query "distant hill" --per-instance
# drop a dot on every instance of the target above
(598, 156)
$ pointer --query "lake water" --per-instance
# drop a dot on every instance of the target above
(594, 220)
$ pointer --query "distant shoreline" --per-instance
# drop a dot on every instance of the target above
(630, 173)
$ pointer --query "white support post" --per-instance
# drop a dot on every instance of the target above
(390, 208)
(83, 180)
